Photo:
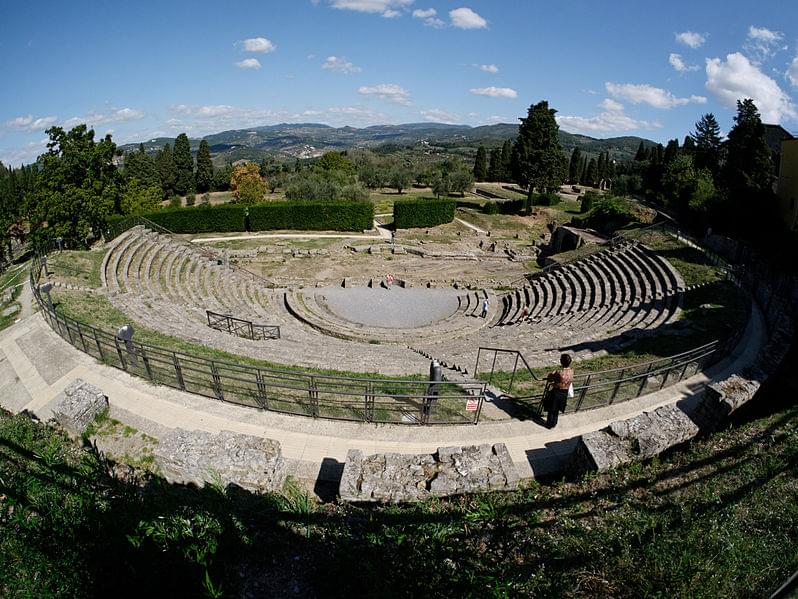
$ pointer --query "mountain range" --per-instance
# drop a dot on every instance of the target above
(308, 140)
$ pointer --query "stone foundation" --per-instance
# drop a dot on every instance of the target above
(81, 403)
(198, 457)
(398, 478)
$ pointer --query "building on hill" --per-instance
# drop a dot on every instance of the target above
(787, 189)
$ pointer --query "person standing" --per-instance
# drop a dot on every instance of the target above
(485, 305)
(557, 397)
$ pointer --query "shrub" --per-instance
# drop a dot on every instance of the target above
(511, 206)
(547, 199)
(607, 214)
(410, 214)
(191, 199)
(175, 202)
(490, 208)
(312, 216)
(588, 200)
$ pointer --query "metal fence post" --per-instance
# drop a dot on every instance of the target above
(178, 372)
(99, 345)
(263, 398)
(583, 393)
(369, 403)
(120, 354)
(82, 340)
(146, 361)
(313, 396)
(216, 382)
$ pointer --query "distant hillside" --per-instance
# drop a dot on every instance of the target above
(308, 140)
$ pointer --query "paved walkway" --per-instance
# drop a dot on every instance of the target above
(36, 365)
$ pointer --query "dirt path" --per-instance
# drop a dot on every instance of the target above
(382, 233)
(25, 301)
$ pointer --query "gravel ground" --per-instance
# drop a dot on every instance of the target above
(396, 308)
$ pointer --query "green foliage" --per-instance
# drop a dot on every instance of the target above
(461, 181)
(574, 167)
(607, 214)
(422, 213)
(221, 178)
(546, 199)
(224, 218)
(335, 161)
(141, 166)
(491, 208)
(538, 161)
(481, 164)
(588, 200)
(184, 165)
(707, 143)
(167, 172)
(312, 216)
(137, 199)
(204, 176)
(400, 178)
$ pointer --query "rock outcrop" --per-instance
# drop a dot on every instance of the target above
(81, 403)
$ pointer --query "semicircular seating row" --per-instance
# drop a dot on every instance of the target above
(587, 301)
(168, 285)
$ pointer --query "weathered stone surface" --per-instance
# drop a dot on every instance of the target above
(397, 478)
(198, 457)
(638, 438)
(79, 406)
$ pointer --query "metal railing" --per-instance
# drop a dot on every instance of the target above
(606, 387)
(242, 328)
(293, 392)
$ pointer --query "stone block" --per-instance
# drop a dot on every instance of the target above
(199, 457)
(80, 404)
(397, 478)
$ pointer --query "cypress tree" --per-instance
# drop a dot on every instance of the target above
(671, 151)
(495, 164)
(748, 170)
(506, 171)
(642, 153)
(591, 172)
(204, 177)
(481, 164)
(184, 165)
(573, 166)
(167, 173)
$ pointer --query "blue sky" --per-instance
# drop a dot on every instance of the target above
(147, 69)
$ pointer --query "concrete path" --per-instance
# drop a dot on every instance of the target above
(470, 226)
(36, 365)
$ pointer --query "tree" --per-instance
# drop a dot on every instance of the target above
(591, 172)
(276, 181)
(461, 181)
(184, 165)
(495, 164)
(78, 185)
(671, 151)
(247, 184)
(167, 173)
(707, 143)
(141, 166)
(221, 178)
(506, 171)
(642, 152)
(747, 174)
(139, 199)
(573, 166)
(204, 176)
(335, 161)
(441, 185)
(481, 164)
(400, 178)
(538, 160)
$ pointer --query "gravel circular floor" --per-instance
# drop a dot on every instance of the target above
(394, 308)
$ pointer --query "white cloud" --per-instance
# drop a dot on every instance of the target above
(612, 119)
(648, 94)
(436, 115)
(430, 17)
(31, 123)
(611, 105)
(258, 45)
(691, 38)
(248, 63)
(387, 8)
(494, 92)
(489, 68)
(737, 78)
(116, 115)
(792, 72)
(24, 155)
(387, 91)
(762, 43)
(465, 18)
(339, 64)
(679, 64)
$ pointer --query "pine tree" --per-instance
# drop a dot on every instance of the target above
(688, 147)
(494, 170)
(481, 164)
(748, 172)
(573, 166)
(707, 144)
(537, 158)
(184, 165)
(167, 173)
(204, 178)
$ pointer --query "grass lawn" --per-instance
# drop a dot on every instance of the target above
(717, 519)
(383, 199)
(77, 267)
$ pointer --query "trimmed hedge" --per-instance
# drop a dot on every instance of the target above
(412, 214)
(232, 218)
(226, 218)
(312, 216)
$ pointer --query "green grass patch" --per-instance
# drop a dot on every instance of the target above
(77, 267)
